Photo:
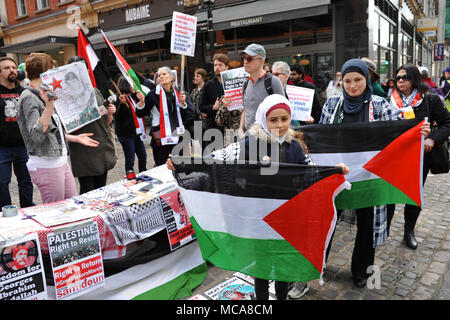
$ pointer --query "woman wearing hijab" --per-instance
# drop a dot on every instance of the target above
(172, 113)
(272, 125)
(410, 92)
(357, 104)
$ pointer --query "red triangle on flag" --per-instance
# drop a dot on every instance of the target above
(305, 221)
(395, 162)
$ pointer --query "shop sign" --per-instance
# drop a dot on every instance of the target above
(246, 22)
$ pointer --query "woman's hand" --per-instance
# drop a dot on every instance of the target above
(309, 120)
(84, 139)
(216, 105)
(226, 102)
(428, 144)
(345, 169)
(182, 98)
(111, 109)
(140, 96)
(425, 129)
(169, 164)
(122, 99)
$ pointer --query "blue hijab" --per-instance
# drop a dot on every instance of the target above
(354, 105)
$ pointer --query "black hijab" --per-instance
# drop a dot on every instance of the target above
(353, 105)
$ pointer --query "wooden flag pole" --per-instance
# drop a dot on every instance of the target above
(183, 58)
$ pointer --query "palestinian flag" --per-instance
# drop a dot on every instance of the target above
(385, 160)
(274, 227)
(98, 73)
(127, 72)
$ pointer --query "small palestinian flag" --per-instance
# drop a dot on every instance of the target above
(273, 227)
(385, 160)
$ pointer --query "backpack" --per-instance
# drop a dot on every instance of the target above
(267, 84)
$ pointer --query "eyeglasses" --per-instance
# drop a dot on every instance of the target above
(250, 59)
(276, 74)
(404, 77)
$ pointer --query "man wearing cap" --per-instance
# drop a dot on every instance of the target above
(374, 77)
(430, 83)
(255, 90)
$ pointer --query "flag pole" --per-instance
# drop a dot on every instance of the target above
(183, 58)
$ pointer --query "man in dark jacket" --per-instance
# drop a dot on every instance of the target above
(297, 79)
(374, 77)
(12, 149)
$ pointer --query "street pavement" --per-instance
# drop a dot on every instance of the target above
(405, 274)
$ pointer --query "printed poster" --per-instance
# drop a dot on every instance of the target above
(301, 101)
(251, 280)
(22, 274)
(232, 289)
(232, 82)
(76, 104)
(76, 260)
(184, 29)
(178, 224)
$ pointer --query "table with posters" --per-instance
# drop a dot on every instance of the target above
(142, 225)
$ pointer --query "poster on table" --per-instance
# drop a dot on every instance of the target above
(76, 104)
(184, 29)
(232, 289)
(178, 224)
(76, 260)
(57, 213)
(232, 82)
(301, 101)
(22, 274)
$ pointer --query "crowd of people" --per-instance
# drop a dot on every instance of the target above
(34, 143)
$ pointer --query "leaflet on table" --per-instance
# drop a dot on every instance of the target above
(161, 173)
(178, 224)
(76, 104)
(134, 223)
(232, 289)
(76, 260)
(57, 213)
(22, 274)
(232, 81)
(301, 101)
(18, 226)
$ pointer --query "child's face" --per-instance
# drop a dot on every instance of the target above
(278, 122)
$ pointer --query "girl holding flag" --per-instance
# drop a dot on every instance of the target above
(411, 96)
(130, 129)
(172, 113)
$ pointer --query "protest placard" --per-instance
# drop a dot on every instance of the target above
(22, 274)
(178, 224)
(76, 104)
(232, 81)
(301, 100)
(76, 260)
(232, 289)
(184, 29)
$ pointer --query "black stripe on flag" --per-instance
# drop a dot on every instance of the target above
(354, 137)
(244, 179)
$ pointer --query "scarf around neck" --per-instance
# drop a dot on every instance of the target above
(166, 129)
(138, 122)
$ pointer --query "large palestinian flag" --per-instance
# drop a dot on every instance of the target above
(385, 160)
(268, 226)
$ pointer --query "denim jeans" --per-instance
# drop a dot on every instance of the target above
(132, 146)
(15, 158)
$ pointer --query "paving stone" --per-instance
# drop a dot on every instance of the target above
(407, 281)
(438, 267)
(430, 279)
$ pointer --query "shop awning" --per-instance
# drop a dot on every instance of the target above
(37, 45)
(136, 33)
(259, 12)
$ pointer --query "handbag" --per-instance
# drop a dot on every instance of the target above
(439, 157)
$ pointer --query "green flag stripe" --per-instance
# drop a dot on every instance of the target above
(251, 256)
(371, 193)
(134, 77)
(180, 287)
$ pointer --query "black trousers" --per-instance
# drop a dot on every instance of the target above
(262, 289)
(92, 182)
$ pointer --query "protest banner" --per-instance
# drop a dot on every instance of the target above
(301, 100)
(178, 225)
(232, 82)
(76, 260)
(232, 289)
(22, 274)
(76, 104)
(182, 39)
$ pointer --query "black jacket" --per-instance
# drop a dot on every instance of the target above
(10, 135)
(211, 91)
(124, 120)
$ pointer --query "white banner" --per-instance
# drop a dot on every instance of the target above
(301, 100)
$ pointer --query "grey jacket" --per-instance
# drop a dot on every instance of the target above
(38, 143)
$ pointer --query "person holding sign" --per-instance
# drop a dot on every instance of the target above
(172, 113)
(44, 136)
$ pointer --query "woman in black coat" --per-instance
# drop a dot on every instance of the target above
(172, 113)
(410, 91)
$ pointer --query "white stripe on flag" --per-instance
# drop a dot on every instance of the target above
(93, 59)
(354, 160)
(239, 216)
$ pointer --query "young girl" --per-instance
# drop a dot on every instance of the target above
(272, 126)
